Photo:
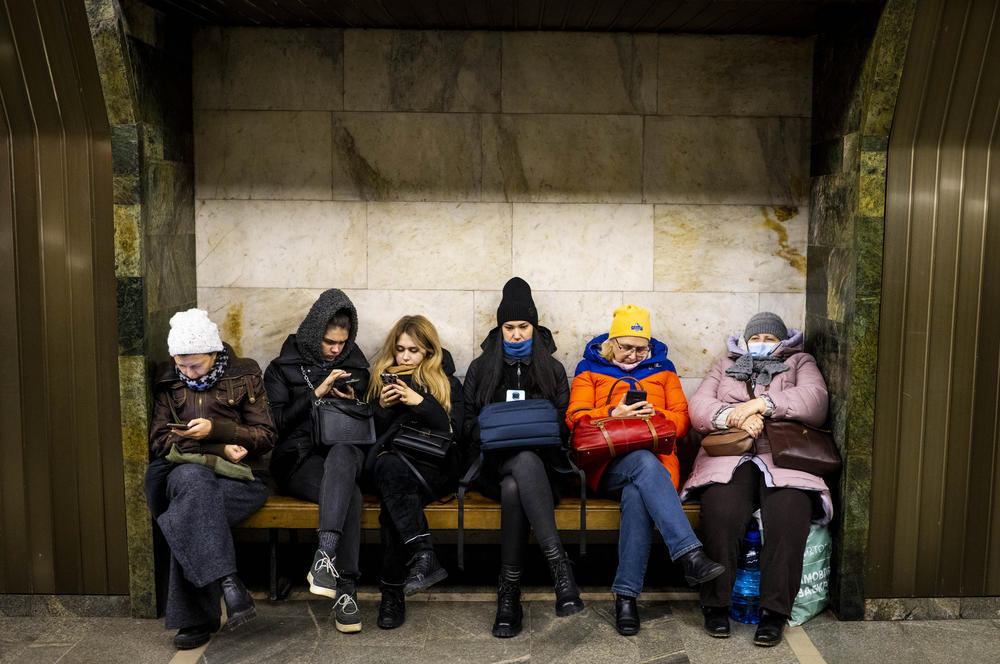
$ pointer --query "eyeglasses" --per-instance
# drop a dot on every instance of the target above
(640, 351)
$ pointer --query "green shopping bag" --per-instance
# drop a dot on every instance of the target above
(814, 590)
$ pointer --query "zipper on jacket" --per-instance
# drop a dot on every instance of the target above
(518, 375)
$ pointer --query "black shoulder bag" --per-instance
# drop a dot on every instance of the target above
(340, 421)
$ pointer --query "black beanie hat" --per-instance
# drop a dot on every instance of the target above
(516, 303)
(766, 323)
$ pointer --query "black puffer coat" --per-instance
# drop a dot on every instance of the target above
(515, 375)
(291, 398)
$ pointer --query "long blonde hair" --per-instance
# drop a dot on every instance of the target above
(429, 374)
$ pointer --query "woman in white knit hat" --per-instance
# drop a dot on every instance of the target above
(209, 408)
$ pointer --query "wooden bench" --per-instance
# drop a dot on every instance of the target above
(481, 513)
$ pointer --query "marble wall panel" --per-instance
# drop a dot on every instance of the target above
(690, 386)
(562, 158)
(281, 244)
(268, 68)
(406, 156)
(552, 72)
(584, 247)
(790, 306)
(574, 318)
(438, 245)
(735, 75)
(420, 70)
(256, 321)
(730, 248)
(262, 154)
(695, 326)
(760, 160)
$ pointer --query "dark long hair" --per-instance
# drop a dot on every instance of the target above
(540, 369)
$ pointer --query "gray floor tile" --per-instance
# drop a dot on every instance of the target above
(955, 640)
(872, 641)
(704, 649)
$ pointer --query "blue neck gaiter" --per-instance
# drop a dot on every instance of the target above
(518, 350)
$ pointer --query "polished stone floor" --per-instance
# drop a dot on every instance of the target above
(454, 627)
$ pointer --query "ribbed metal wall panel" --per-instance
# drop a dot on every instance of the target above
(62, 524)
(935, 525)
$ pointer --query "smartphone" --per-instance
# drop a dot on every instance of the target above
(341, 383)
(389, 379)
(634, 396)
(176, 425)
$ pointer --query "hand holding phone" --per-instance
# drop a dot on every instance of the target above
(389, 379)
(634, 396)
(177, 426)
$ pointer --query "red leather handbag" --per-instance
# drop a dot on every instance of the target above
(601, 439)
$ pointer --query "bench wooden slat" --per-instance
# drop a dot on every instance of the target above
(481, 513)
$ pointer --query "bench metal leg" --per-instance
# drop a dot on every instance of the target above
(272, 562)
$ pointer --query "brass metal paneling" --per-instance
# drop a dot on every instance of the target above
(935, 525)
(62, 516)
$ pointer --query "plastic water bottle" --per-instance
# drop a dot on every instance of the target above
(746, 588)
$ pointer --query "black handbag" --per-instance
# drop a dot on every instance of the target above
(341, 421)
(422, 442)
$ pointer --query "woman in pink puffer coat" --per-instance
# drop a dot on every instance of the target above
(787, 386)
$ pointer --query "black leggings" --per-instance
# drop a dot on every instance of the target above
(725, 512)
(526, 500)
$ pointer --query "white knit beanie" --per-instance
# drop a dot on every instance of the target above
(191, 332)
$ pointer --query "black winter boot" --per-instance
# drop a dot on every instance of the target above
(239, 605)
(568, 599)
(509, 613)
(392, 608)
(424, 571)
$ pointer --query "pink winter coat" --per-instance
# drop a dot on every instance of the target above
(798, 394)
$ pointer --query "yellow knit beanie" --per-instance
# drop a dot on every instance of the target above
(630, 321)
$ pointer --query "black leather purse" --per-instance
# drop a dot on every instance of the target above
(422, 442)
(341, 421)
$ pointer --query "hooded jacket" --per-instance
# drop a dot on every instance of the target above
(291, 397)
(798, 394)
(598, 386)
(236, 405)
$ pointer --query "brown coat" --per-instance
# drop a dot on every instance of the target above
(237, 406)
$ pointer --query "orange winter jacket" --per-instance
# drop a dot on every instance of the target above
(596, 390)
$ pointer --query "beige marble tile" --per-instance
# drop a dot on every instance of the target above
(790, 306)
(562, 158)
(268, 68)
(695, 325)
(575, 72)
(735, 75)
(758, 161)
(406, 156)
(449, 311)
(255, 321)
(262, 154)
(690, 386)
(584, 247)
(280, 244)
(421, 70)
(574, 317)
(720, 248)
(438, 245)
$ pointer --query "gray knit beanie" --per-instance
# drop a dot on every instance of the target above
(766, 323)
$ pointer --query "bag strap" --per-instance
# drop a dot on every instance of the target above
(309, 383)
(463, 485)
(635, 381)
(749, 384)
(416, 473)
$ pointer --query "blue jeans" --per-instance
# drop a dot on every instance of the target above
(647, 497)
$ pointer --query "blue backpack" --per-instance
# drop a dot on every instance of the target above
(531, 423)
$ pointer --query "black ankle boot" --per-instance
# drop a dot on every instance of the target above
(239, 605)
(699, 568)
(716, 621)
(626, 615)
(424, 572)
(509, 613)
(392, 608)
(769, 629)
(568, 599)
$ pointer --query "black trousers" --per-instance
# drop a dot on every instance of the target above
(725, 512)
(199, 510)
(404, 528)
(331, 481)
(525, 502)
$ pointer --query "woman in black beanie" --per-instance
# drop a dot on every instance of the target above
(517, 355)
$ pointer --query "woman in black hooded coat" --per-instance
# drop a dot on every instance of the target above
(517, 355)
(320, 352)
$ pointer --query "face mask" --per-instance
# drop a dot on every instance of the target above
(762, 349)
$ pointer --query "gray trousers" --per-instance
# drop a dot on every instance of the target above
(201, 509)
